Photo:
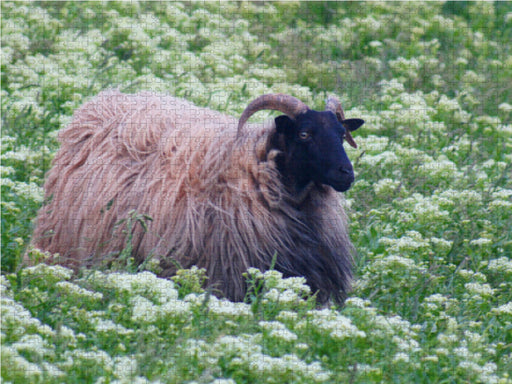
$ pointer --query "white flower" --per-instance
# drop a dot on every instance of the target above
(145, 284)
(33, 344)
(385, 187)
(287, 316)
(505, 309)
(223, 381)
(480, 242)
(437, 301)
(501, 265)
(227, 308)
(108, 326)
(431, 358)
(440, 168)
(143, 310)
(15, 316)
(441, 244)
(243, 345)
(266, 365)
(5, 286)
(277, 330)
(55, 271)
(448, 105)
(406, 345)
(474, 338)
(386, 158)
(393, 261)
(99, 358)
(405, 67)
(52, 371)
(505, 107)
(286, 297)
(174, 308)
(125, 367)
(427, 211)
(374, 144)
(391, 87)
(470, 366)
(462, 352)
(11, 358)
(479, 290)
(445, 339)
(500, 205)
(488, 375)
(358, 302)
(335, 325)
(195, 348)
(401, 357)
(77, 291)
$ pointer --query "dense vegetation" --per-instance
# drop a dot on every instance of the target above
(430, 212)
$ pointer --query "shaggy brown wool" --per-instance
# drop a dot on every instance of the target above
(216, 201)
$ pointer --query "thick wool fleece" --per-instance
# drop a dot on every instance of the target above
(216, 201)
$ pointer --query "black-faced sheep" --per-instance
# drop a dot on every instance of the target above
(221, 195)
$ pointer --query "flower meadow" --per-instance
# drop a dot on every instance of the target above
(430, 211)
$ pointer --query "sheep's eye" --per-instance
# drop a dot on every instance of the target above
(304, 135)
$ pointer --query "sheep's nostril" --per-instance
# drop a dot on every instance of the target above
(345, 171)
(347, 174)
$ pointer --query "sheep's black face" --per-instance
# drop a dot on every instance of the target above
(313, 146)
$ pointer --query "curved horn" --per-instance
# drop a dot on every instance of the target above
(333, 104)
(289, 105)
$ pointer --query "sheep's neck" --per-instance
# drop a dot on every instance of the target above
(296, 182)
(299, 197)
(298, 188)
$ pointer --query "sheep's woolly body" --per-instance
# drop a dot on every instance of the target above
(216, 201)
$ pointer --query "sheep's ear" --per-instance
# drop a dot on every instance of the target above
(284, 125)
(352, 124)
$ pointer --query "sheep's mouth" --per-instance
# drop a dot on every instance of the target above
(341, 186)
(340, 183)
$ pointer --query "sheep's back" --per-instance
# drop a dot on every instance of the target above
(142, 152)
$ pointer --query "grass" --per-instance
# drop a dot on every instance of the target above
(430, 211)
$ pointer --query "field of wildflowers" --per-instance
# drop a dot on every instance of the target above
(430, 211)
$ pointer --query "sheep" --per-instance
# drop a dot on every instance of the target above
(222, 195)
